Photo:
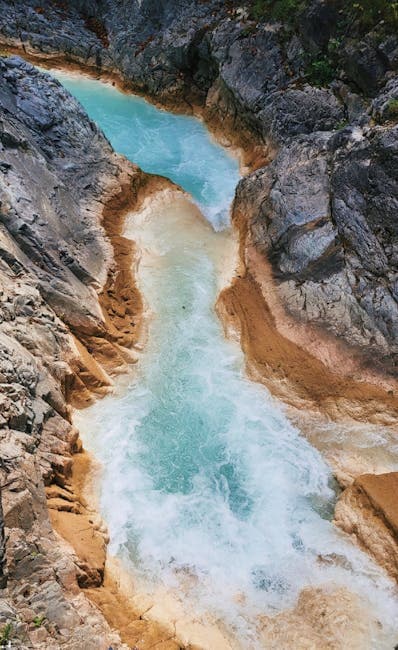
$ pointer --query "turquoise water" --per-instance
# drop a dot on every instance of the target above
(207, 488)
(175, 146)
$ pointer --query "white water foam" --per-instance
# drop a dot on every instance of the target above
(208, 489)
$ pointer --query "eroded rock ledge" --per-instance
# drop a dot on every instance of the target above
(368, 510)
(323, 214)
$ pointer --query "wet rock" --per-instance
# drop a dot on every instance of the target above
(335, 615)
(368, 511)
(88, 544)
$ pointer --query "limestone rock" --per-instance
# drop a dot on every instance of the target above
(323, 214)
(368, 510)
(57, 171)
(183, 51)
(336, 265)
(383, 104)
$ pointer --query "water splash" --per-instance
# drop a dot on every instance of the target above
(218, 495)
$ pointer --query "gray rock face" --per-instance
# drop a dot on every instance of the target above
(366, 64)
(385, 105)
(300, 110)
(324, 213)
(48, 23)
(318, 23)
(184, 49)
(251, 74)
(57, 240)
(56, 170)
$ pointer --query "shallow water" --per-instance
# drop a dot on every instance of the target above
(207, 488)
(176, 146)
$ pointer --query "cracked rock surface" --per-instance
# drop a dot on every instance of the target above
(54, 258)
(324, 213)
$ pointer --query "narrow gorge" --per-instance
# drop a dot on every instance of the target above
(217, 322)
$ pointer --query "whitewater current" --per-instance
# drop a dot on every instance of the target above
(207, 489)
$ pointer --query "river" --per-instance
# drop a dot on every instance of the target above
(208, 491)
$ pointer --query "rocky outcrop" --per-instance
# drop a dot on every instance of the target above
(320, 620)
(224, 56)
(323, 213)
(368, 511)
(69, 311)
(193, 53)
